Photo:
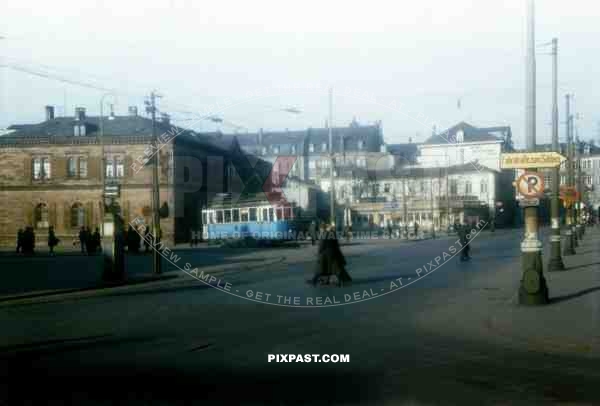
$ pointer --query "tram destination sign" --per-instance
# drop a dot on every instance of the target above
(527, 160)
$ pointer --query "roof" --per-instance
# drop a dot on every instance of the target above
(470, 134)
(115, 126)
(408, 151)
(369, 134)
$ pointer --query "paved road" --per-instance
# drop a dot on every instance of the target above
(197, 343)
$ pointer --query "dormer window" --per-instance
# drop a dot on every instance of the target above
(324, 147)
(460, 136)
(361, 144)
(79, 130)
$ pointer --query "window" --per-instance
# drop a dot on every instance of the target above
(324, 163)
(324, 147)
(271, 214)
(376, 189)
(219, 216)
(227, 216)
(293, 149)
(110, 170)
(120, 168)
(276, 149)
(484, 186)
(563, 179)
(79, 130)
(41, 168)
(588, 180)
(468, 188)
(361, 144)
(311, 147)
(83, 167)
(253, 214)
(387, 187)
(71, 167)
(204, 217)
(41, 215)
(361, 162)
(312, 164)
(453, 187)
(77, 216)
(236, 215)
(265, 215)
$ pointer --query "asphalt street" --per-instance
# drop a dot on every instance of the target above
(197, 344)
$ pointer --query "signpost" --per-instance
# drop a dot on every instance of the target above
(528, 160)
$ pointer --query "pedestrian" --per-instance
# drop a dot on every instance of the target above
(52, 240)
(463, 231)
(89, 243)
(312, 229)
(389, 227)
(20, 240)
(96, 239)
(416, 229)
(147, 238)
(82, 241)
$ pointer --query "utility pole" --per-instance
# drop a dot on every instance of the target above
(556, 262)
(533, 289)
(332, 188)
(432, 209)
(156, 233)
(404, 208)
(572, 177)
(570, 240)
(579, 221)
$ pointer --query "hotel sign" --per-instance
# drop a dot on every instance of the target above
(528, 160)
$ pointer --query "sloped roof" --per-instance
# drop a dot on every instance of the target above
(470, 134)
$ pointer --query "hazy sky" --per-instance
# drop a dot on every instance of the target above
(409, 62)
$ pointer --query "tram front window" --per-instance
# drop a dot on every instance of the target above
(219, 216)
(227, 216)
(253, 213)
(271, 215)
(236, 215)
(265, 215)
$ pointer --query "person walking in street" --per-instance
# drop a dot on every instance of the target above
(20, 240)
(416, 230)
(82, 241)
(463, 231)
(96, 240)
(89, 244)
(312, 229)
(52, 240)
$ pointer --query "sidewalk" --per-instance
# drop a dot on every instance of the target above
(487, 308)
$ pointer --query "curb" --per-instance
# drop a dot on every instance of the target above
(99, 287)
(174, 275)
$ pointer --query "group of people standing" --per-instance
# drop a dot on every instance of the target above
(89, 242)
(26, 241)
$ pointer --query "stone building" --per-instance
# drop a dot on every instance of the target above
(52, 174)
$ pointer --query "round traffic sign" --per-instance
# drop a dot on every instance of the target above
(530, 184)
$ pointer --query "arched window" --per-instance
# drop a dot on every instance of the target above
(77, 215)
(41, 215)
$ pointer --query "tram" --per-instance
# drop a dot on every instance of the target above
(257, 218)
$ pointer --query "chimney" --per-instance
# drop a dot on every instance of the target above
(133, 111)
(49, 113)
(165, 118)
(79, 113)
